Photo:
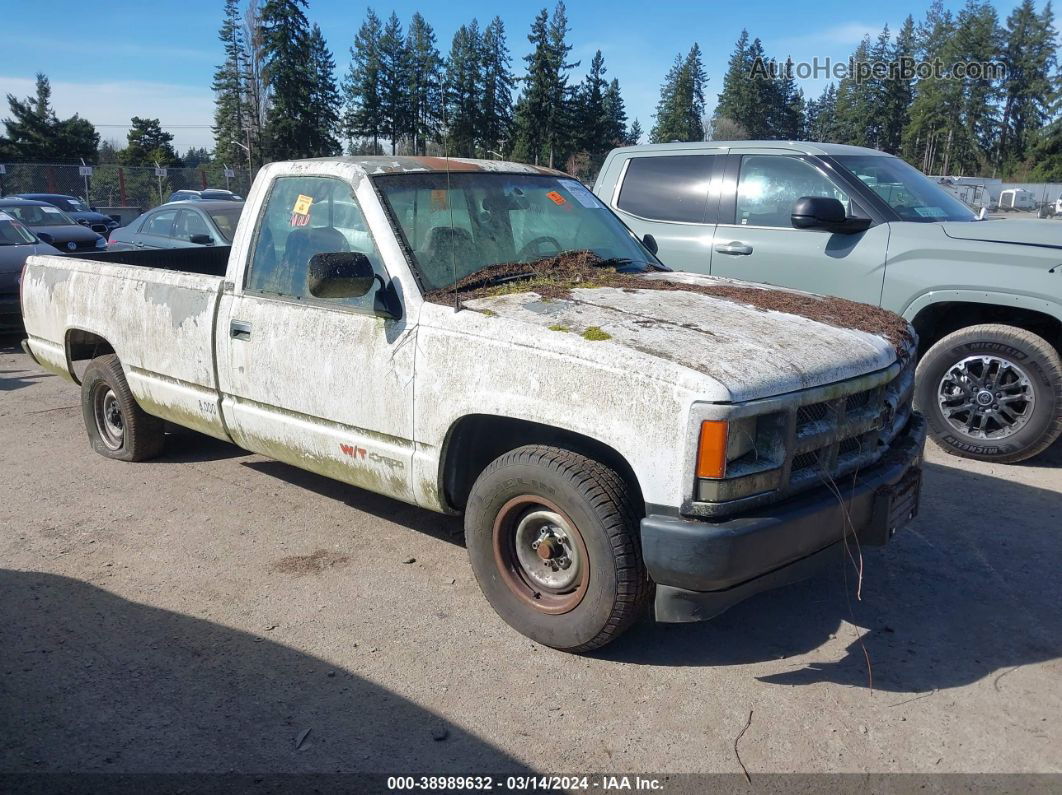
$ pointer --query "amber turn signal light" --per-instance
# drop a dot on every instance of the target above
(711, 450)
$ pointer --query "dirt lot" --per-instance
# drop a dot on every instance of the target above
(201, 612)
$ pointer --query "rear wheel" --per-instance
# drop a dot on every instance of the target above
(992, 392)
(117, 427)
(553, 541)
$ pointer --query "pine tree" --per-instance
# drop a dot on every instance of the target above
(229, 110)
(462, 85)
(854, 109)
(559, 111)
(532, 107)
(787, 111)
(592, 124)
(821, 116)
(496, 107)
(362, 85)
(736, 102)
(634, 134)
(148, 145)
(936, 102)
(1029, 55)
(616, 116)
(424, 89)
(324, 98)
(35, 134)
(680, 111)
(290, 127)
(394, 81)
(898, 90)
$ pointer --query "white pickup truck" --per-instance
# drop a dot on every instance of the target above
(488, 338)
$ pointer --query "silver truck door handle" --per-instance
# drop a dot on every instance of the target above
(734, 247)
(239, 330)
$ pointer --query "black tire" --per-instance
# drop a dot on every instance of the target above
(592, 500)
(1035, 358)
(117, 427)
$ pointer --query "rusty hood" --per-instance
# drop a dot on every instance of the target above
(725, 349)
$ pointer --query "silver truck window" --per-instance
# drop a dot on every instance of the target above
(160, 224)
(907, 190)
(667, 188)
(305, 216)
(769, 186)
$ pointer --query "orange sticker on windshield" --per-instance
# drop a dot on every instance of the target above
(438, 200)
(556, 198)
(300, 213)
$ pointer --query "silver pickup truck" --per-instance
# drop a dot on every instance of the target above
(487, 338)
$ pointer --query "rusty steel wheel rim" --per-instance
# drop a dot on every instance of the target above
(540, 554)
(110, 424)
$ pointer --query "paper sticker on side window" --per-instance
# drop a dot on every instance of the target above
(581, 194)
(50, 210)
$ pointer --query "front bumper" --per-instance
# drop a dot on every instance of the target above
(702, 568)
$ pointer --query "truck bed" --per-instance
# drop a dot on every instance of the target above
(204, 260)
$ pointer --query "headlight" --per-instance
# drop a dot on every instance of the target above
(739, 457)
(101, 243)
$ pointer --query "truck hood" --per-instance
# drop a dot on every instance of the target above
(725, 349)
(1025, 232)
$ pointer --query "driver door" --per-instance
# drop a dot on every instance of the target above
(756, 241)
(323, 384)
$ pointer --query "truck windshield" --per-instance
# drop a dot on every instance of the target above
(461, 223)
(907, 190)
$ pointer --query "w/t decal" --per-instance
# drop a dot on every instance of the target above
(352, 450)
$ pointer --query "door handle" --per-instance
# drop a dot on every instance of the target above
(734, 247)
(239, 330)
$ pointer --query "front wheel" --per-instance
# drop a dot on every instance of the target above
(991, 392)
(553, 541)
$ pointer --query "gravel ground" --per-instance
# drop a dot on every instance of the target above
(204, 611)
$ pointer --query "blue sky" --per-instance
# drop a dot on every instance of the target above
(111, 60)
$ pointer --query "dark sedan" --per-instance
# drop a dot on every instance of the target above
(53, 226)
(76, 209)
(16, 243)
(180, 224)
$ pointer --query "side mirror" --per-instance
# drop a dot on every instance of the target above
(345, 274)
(828, 214)
(650, 243)
(201, 240)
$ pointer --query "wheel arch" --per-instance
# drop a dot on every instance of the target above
(474, 440)
(81, 345)
(934, 317)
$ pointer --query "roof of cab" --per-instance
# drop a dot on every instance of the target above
(799, 147)
(405, 164)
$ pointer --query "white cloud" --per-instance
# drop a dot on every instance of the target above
(848, 34)
(185, 111)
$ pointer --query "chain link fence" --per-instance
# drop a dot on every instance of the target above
(125, 191)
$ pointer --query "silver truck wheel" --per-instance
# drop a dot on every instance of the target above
(992, 392)
(117, 427)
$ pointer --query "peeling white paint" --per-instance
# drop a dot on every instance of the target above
(371, 402)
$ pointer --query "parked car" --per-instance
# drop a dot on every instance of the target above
(77, 209)
(984, 296)
(16, 243)
(209, 194)
(603, 424)
(53, 226)
(180, 225)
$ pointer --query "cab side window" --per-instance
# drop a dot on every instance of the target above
(304, 216)
(667, 188)
(769, 186)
